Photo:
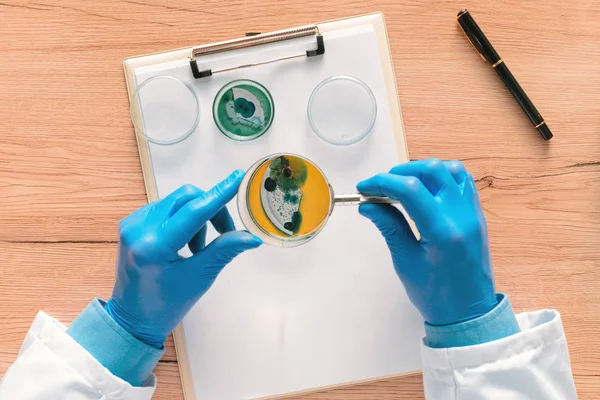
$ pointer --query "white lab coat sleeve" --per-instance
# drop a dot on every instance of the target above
(532, 364)
(53, 366)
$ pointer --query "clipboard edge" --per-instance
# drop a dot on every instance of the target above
(339, 386)
(185, 374)
(401, 148)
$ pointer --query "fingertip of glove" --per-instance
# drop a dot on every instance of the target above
(238, 174)
(361, 186)
(249, 240)
(375, 185)
(233, 180)
(256, 241)
(226, 189)
(471, 181)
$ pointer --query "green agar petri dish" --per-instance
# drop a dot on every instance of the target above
(243, 110)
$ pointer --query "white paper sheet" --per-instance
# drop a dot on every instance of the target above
(329, 312)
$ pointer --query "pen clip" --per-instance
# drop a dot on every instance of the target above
(474, 42)
(478, 47)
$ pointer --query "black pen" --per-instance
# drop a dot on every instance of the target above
(487, 52)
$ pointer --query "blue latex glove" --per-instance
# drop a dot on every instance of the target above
(155, 287)
(448, 272)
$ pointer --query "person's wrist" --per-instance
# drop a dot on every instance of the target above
(498, 323)
(112, 346)
(450, 312)
(121, 317)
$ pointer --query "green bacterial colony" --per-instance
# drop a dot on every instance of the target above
(288, 179)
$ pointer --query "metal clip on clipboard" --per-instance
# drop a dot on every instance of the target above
(256, 40)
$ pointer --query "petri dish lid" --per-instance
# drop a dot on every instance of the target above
(165, 110)
(342, 110)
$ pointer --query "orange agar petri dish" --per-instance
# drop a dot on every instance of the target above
(286, 199)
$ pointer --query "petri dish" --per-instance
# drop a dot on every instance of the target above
(243, 110)
(165, 110)
(285, 199)
(342, 110)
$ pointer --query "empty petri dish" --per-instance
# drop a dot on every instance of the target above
(243, 110)
(165, 110)
(342, 110)
(285, 200)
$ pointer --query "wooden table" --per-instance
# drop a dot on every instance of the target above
(69, 168)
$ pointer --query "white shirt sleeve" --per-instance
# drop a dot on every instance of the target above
(53, 366)
(532, 364)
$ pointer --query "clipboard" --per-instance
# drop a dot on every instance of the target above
(199, 62)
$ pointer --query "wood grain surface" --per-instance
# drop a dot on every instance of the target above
(69, 168)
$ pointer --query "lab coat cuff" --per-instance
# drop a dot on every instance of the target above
(112, 346)
(499, 323)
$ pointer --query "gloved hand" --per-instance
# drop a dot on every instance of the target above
(448, 272)
(155, 287)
